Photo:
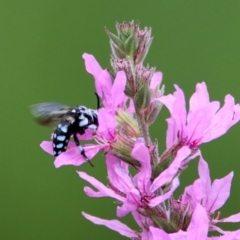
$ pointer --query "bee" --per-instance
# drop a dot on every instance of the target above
(70, 121)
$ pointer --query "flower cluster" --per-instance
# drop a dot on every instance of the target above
(132, 98)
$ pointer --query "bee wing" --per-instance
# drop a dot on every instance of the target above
(49, 113)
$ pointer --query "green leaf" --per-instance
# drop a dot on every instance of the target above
(116, 40)
(131, 44)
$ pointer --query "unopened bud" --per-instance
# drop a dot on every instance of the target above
(151, 113)
(144, 75)
(126, 135)
(130, 42)
(142, 97)
(163, 224)
(180, 214)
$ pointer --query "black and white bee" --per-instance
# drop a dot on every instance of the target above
(70, 122)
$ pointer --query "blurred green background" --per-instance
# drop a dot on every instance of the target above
(40, 60)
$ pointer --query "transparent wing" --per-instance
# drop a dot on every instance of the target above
(48, 114)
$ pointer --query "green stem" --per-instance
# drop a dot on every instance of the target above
(143, 126)
(144, 131)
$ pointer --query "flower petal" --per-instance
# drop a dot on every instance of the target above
(105, 82)
(99, 186)
(200, 121)
(156, 80)
(167, 175)
(158, 233)
(219, 193)
(115, 225)
(235, 235)
(198, 227)
(176, 106)
(129, 204)
(73, 156)
(47, 146)
(236, 117)
(172, 132)
(180, 113)
(118, 88)
(205, 179)
(88, 135)
(193, 194)
(199, 99)
(141, 153)
(221, 121)
(93, 67)
(157, 200)
(141, 220)
(91, 193)
(232, 218)
(118, 174)
(107, 124)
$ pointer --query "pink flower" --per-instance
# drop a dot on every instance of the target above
(111, 93)
(142, 191)
(155, 83)
(197, 229)
(143, 222)
(138, 191)
(115, 225)
(94, 68)
(210, 196)
(72, 156)
(204, 120)
(113, 97)
(235, 235)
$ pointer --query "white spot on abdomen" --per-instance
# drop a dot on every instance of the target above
(61, 138)
(60, 145)
(64, 128)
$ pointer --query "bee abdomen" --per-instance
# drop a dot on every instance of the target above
(61, 138)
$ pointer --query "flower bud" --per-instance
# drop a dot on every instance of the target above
(130, 42)
(142, 97)
(180, 214)
(126, 135)
(152, 112)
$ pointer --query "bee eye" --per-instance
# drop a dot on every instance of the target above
(83, 109)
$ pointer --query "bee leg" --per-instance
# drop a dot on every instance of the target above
(81, 149)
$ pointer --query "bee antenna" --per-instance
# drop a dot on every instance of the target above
(98, 101)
